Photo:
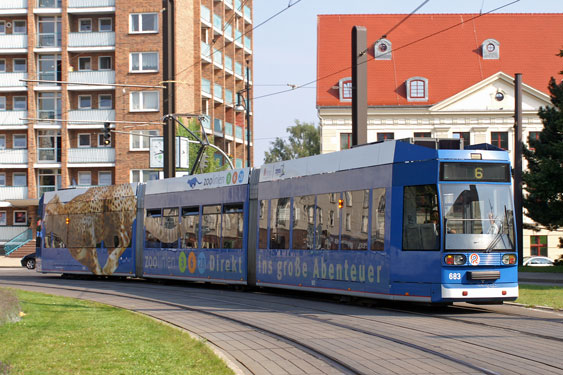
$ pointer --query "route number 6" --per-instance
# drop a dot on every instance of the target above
(478, 173)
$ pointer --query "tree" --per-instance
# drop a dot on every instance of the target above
(544, 178)
(210, 163)
(304, 140)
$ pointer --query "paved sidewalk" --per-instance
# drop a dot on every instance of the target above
(6, 262)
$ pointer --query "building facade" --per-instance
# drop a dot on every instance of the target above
(429, 79)
(69, 66)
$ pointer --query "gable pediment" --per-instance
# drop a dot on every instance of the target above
(495, 93)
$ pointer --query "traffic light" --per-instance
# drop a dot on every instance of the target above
(107, 134)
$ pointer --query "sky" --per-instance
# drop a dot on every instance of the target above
(285, 48)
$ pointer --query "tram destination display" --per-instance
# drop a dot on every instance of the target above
(489, 172)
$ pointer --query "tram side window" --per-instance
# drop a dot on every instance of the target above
(78, 238)
(279, 223)
(55, 228)
(355, 214)
(211, 227)
(378, 219)
(421, 227)
(115, 210)
(303, 222)
(170, 232)
(190, 227)
(153, 221)
(328, 221)
(233, 221)
(263, 225)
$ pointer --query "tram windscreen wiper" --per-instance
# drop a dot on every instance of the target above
(495, 240)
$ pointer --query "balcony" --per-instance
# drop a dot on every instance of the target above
(238, 133)
(228, 64)
(238, 70)
(13, 192)
(13, 120)
(229, 130)
(13, 43)
(91, 156)
(229, 32)
(247, 14)
(13, 158)
(12, 82)
(49, 3)
(238, 38)
(205, 16)
(88, 118)
(247, 45)
(205, 88)
(218, 127)
(217, 24)
(91, 6)
(217, 58)
(218, 93)
(229, 4)
(49, 40)
(91, 41)
(8, 7)
(205, 52)
(89, 78)
(229, 97)
(238, 6)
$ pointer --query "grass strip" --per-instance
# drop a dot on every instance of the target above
(539, 295)
(61, 335)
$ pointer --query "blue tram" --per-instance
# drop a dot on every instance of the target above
(390, 220)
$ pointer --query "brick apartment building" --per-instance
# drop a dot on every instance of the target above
(51, 133)
(442, 76)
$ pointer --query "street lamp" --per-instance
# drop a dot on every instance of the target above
(243, 106)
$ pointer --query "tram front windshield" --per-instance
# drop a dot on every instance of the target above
(477, 217)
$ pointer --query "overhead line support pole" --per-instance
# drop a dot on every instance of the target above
(169, 105)
(359, 86)
(518, 212)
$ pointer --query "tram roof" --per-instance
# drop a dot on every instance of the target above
(379, 153)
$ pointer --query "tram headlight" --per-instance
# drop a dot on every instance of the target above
(509, 259)
(455, 259)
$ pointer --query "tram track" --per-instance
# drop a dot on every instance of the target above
(313, 314)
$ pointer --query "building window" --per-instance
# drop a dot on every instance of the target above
(345, 89)
(382, 49)
(19, 141)
(105, 101)
(49, 180)
(2, 179)
(104, 63)
(143, 175)
(104, 178)
(3, 218)
(2, 27)
(538, 245)
(20, 65)
(141, 141)
(20, 103)
(19, 179)
(85, 25)
(500, 139)
(417, 89)
(143, 23)
(2, 65)
(422, 134)
(143, 62)
(345, 141)
(20, 27)
(490, 49)
(20, 217)
(84, 102)
(84, 63)
(83, 140)
(385, 136)
(101, 141)
(533, 136)
(144, 101)
(463, 135)
(85, 178)
(2, 103)
(105, 25)
(2, 142)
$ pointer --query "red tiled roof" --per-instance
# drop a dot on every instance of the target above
(451, 60)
